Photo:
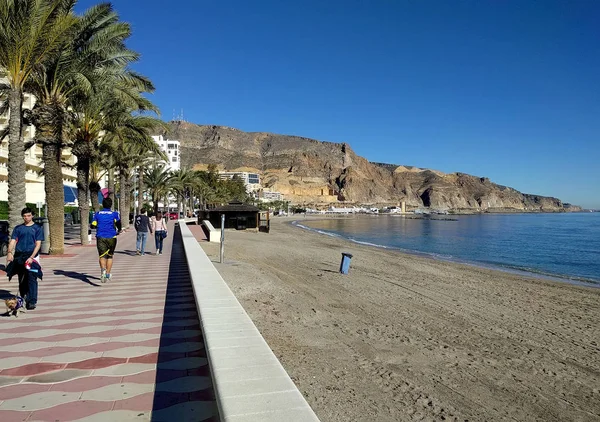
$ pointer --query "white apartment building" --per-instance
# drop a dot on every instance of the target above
(171, 149)
(268, 196)
(251, 180)
(34, 181)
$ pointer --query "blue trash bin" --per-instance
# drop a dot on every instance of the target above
(345, 264)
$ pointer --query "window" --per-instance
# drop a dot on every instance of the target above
(175, 153)
(174, 159)
(253, 179)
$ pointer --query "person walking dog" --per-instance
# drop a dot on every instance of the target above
(23, 257)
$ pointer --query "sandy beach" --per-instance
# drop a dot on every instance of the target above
(407, 338)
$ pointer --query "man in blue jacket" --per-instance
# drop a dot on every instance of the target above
(142, 226)
(108, 226)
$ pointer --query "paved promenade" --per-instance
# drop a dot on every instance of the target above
(127, 350)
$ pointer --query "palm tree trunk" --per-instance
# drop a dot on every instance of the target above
(16, 160)
(123, 198)
(55, 197)
(111, 186)
(94, 195)
(140, 196)
(83, 175)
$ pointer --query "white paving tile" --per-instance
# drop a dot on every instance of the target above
(117, 415)
(39, 401)
(117, 392)
(135, 337)
(71, 357)
(125, 369)
(27, 346)
(130, 352)
(15, 362)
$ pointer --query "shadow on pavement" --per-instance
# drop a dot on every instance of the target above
(78, 276)
(127, 252)
(181, 354)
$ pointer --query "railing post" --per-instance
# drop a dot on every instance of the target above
(222, 238)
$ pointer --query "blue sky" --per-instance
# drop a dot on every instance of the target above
(509, 90)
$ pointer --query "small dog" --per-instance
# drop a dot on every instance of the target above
(15, 305)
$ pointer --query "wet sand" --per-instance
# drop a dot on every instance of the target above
(408, 338)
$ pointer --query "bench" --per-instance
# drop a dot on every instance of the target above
(212, 234)
(249, 382)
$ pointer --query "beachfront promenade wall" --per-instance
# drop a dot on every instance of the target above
(250, 383)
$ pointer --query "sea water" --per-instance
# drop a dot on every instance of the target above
(565, 245)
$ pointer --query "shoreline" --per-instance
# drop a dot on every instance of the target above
(404, 337)
(578, 281)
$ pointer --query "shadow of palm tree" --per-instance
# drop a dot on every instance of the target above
(78, 276)
(181, 354)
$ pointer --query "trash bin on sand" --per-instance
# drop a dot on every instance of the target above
(345, 264)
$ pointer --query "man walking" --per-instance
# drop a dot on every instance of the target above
(142, 226)
(108, 226)
(23, 250)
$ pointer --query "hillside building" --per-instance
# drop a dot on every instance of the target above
(268, 196)
(172, 149)
(251, 180)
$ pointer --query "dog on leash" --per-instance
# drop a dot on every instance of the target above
(15, 305)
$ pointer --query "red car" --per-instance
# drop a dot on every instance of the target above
(173, 216)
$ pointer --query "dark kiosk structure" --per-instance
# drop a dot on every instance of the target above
(238, 216)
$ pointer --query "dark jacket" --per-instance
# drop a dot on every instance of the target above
(142, 223)
(18, 264)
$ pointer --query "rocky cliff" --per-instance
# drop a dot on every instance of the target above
(308, 171)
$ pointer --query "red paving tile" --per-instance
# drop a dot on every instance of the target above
(32, 369)
(14, 416)
(133, 276)
(145, 377)
(150, 358)
(96, 363)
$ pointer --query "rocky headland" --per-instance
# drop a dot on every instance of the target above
(311, 172)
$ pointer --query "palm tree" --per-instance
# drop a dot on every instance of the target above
(145, 160)
(129, 135)
(95, 175)
(31, 31)
(181, 183)
(157, 181)
(88, 75)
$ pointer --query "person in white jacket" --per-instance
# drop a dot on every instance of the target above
(159, 226)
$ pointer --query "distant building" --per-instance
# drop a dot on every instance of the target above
(268, 196)
(171, 149)
(251, 180)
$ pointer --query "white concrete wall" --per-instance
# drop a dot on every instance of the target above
(249, 382)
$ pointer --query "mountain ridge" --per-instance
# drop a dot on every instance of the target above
(312, 172)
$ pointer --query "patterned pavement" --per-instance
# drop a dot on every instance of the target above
(127, 350)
